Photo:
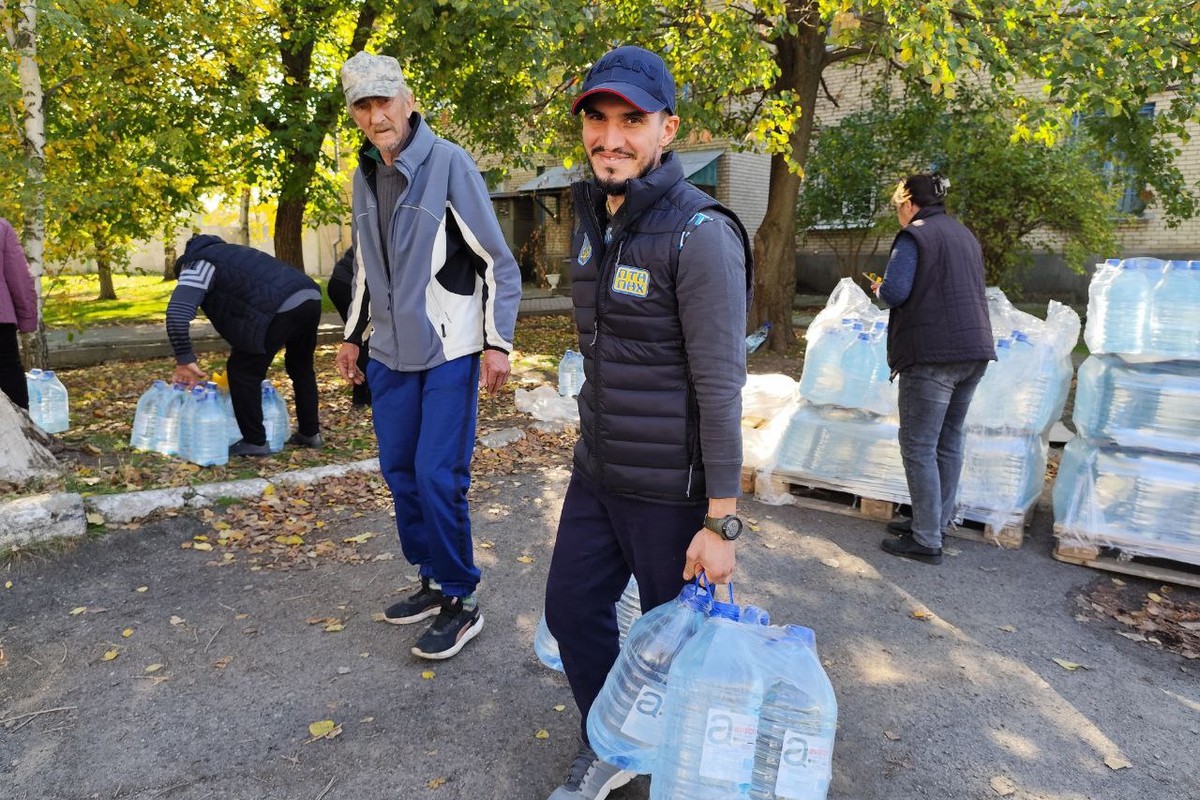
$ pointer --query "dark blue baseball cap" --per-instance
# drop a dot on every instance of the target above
(634, 74)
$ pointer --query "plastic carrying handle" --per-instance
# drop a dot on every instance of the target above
(727, 610)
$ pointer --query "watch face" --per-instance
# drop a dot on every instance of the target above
(731, 528)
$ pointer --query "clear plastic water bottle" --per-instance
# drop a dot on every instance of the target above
(710, 728)
(275, 419)
(1119, 305)
(625, 722)
(208, 444)
(628, 608)
(570, 374)
(187, 423)
(858, 362)
(145, 418)
(755, 340)
(33, 385)
(232, 431)
(1175, 312)
(55, 403)
(170, 417)
(821, 380)
(546, 646)
(793, 756)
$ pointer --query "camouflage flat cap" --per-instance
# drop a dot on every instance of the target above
(367, 75)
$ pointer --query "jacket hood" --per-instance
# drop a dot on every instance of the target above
(192, 249)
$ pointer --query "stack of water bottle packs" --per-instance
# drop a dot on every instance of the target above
(49, 402)
(1129, 480)
(844, 435)
(714, 702)
(198, 424)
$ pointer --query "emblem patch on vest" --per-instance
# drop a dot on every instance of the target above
(585, 252)
(633, 281)
(916, 223)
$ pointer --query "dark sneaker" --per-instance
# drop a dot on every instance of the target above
(907, 547)
(298, 439)
(900, 527)
(590, 778)
(453, 628)
(243, 448)
(423, 604)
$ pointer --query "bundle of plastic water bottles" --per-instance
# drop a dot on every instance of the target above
(628, 609)
(845, 434)
(1129, 479)
(714, 702)
(49, 402)
(198, 424)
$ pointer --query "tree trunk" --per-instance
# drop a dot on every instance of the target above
(23, 40)
(289, 231)
(104, 273)
(170, 254)
(800, 58)
(244, 218)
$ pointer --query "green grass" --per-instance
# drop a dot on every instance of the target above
(70, 300)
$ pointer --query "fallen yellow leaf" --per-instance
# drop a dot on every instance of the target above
(1070, 666)
(1008, 628)
(142, 589)
(921, 614)
(486, 545)
(221, 525)
(360, 539)
(428, 674)
(894, 737)
(1154, 596)
(434, 783)
(127, 632)
(560, 707)
(75, 612)
(202, 546)
(176, 620)
(1117, 762)
(542, 734)
(525, 559)
(94, 518)
(290, 540)
(334, 627)
(270, 490)
(109, 655)
(8, 584)
(154, 668)
(322, 728)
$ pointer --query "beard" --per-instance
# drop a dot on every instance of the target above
(614, 187)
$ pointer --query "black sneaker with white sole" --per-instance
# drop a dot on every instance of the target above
(423, 604)
(454, 627)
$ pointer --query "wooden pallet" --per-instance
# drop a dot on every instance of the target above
(1156, 569)
(838, 501)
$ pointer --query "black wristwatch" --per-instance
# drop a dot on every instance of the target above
(728, 527)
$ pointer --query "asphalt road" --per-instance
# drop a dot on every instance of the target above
(966, 703)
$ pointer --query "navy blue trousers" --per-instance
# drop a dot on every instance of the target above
(425, 424)
(602, 538)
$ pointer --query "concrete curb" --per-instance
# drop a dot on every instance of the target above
(65, 515)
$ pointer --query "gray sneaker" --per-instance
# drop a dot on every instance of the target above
(590, 778)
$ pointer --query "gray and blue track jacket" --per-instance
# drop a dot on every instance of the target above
(447, 284)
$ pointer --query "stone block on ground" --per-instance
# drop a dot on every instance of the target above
(24, 448)
(41, 518)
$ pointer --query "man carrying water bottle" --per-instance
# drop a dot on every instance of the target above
(260, 306)
(661, 283)
(939, 343)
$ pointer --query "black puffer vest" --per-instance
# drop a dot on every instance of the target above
(638, 412)
(945, 317)
(248, 286)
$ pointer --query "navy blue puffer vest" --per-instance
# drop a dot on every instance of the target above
(638, 412)
(945, 317)
(248, 286)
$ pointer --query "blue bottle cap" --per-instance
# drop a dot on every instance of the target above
(802, 634)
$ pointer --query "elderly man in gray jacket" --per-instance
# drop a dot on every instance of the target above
(438, 286)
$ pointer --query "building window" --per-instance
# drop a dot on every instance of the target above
(1122, 177)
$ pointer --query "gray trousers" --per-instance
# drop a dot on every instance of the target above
(933, 400)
